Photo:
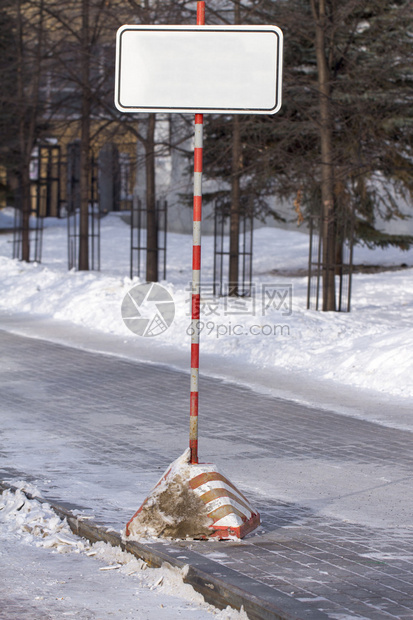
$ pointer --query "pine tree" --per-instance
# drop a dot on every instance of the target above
(343, 138)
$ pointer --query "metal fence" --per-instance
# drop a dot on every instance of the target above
(341, 264)
(222, 250)
(73, 216)
(35, 236)
(46, 180)
(45, 195)
(138, 245)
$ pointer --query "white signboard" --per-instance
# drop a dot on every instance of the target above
(221, 69)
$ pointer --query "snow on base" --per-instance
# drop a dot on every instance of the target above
(191, 502)
(172, 509)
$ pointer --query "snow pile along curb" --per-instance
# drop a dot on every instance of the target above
(37, 523)
(219, 585)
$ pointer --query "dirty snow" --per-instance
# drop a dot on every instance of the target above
(172, 509)
(175, 509)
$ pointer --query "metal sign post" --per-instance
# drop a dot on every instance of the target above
(196, 270)
(197, 69)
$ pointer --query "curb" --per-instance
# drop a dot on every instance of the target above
(219, 585)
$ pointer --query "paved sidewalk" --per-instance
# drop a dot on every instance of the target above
(101, 430)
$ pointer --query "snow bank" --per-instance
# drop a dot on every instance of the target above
(370, 348)
(33, 523)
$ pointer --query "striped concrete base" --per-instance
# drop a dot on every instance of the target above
(194, 501)
(231, 513)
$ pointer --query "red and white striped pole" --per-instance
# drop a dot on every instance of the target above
(196, 269)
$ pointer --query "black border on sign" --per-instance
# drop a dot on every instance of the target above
(183, 109)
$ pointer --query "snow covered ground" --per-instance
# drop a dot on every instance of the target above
(270, 342)
(34, 574)
(369, 348)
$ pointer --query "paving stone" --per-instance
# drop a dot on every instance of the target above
(100, 404)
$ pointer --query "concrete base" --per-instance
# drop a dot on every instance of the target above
(193, 502)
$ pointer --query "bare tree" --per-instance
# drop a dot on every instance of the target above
(235, 190)
(150, 12)
(318, 9)
(30, 35)
(152, 252)
(85, 139)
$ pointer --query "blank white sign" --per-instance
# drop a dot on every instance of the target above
(220, 69)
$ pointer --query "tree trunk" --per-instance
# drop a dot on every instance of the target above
(235, 209)
(25, 205)
(235, 193)
(327, 168)
(23, 173)
(151, 219)
(29, 57)
(85, 144)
